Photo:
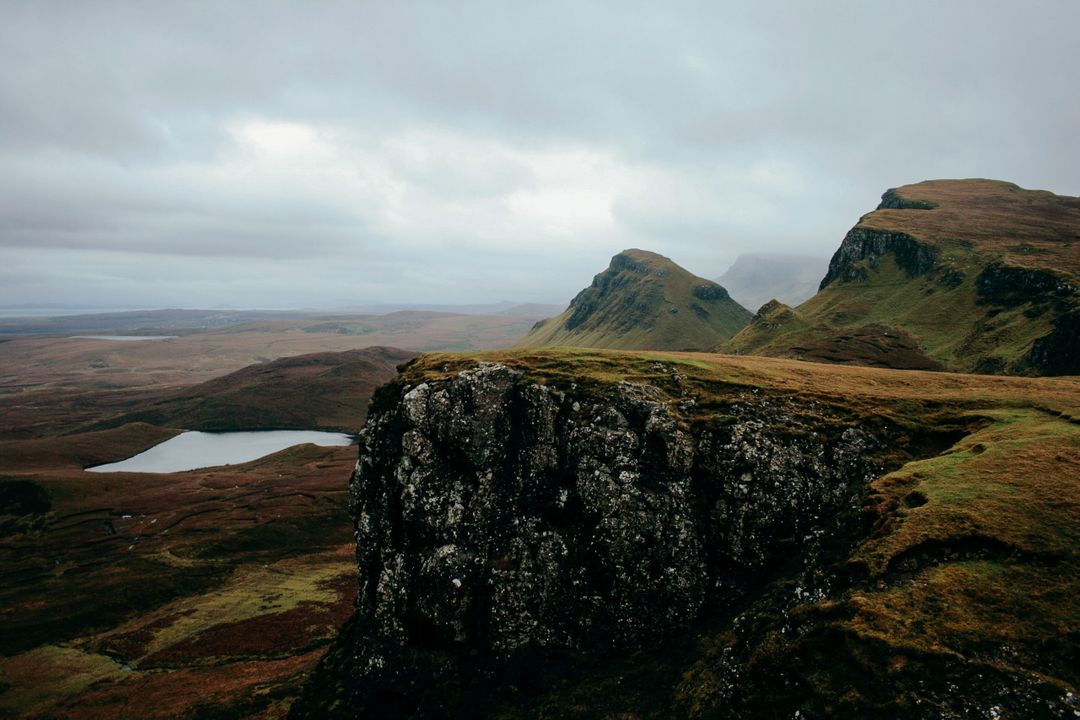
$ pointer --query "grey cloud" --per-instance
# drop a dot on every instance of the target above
(117, 135)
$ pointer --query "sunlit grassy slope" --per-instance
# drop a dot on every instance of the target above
(998, 269)
(644, 301)
(967, 576)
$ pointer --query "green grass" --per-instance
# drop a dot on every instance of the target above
(973, 224)
(643, 301)
(967, 586)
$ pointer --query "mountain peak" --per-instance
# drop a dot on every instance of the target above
(972, 275)
(644, 300)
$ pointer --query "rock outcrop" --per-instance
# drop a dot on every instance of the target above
(580, 534)
(500, 518)
(862, 248)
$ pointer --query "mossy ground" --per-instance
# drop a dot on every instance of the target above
(209, 593)
(963, 595)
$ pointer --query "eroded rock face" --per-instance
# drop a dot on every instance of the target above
(1005, 286)
(913, 257)
(892, 200)
(1008, 286)
(497, 516)
(1058, 353)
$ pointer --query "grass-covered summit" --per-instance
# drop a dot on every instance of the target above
(644, 301)
(591, 533)
(968, 275)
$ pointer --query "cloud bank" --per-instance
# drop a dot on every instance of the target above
(285, 154)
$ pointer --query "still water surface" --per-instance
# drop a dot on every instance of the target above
(192, 450)
(123, 338)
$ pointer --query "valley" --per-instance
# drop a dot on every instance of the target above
(203, 594)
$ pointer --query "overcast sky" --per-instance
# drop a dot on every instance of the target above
(265, 154)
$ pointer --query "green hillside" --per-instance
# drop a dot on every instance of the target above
(644, 301)
(967, 275)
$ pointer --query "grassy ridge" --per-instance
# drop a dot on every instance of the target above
(319, 390)
(998, 269)
(643, 301)
(964, 590)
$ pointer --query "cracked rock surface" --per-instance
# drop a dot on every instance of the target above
(498, 517)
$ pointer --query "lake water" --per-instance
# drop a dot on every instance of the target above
(192, 450)
(123, 338)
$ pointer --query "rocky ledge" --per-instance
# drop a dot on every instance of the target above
(865, 246)
(504, 522)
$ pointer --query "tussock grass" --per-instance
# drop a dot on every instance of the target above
(971, 569)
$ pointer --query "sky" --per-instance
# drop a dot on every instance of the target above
(326, 154)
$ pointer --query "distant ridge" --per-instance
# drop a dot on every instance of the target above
(756, 278)
(968, 275)
(327, 390)
(644, 301)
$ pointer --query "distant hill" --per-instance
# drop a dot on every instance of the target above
(329, 390)
(145, 322)
(756, 278)
(644, 301)
(505, 307)
(968, 275)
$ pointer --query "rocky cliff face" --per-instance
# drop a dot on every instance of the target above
(892, 200)
(1009, 286)
(500, 519)
(1059, 352)
(1041, 292)
(864, 246)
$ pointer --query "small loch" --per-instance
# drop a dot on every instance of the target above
(124, 338)
(194, 450)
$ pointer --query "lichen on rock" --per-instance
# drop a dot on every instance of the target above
(499, 516)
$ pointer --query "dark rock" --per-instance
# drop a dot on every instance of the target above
(710, 292)
(498, 518)
(1059, 352)
(867, 246)
(892, 200)
(623, 261)
(1009, 286)
(951, 278)
(22, 497)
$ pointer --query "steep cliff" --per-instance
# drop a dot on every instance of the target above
(532, 530)
(973, 275)
(643, 301)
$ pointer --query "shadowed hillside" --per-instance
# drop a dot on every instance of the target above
(643, 301)
(320, 390)
(969, 275)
